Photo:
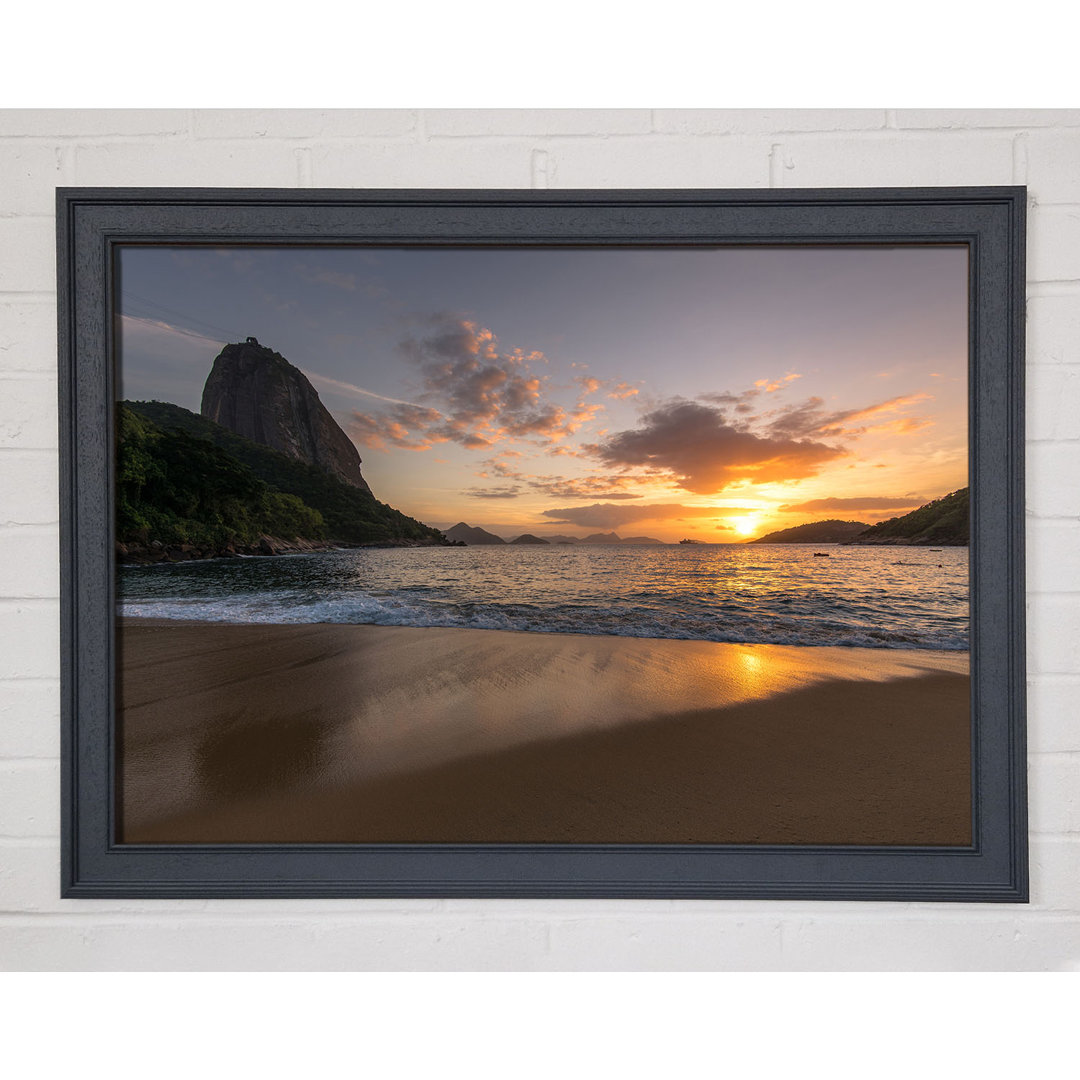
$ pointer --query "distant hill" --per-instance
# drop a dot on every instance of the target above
(467, 534)
(815, 532)
(615, 538)
(943, 522)
(528, 538)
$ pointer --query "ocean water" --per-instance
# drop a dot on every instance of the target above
(881, 597)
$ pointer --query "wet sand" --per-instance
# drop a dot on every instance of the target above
(369, 734)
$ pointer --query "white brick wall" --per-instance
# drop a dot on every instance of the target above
(542, 148)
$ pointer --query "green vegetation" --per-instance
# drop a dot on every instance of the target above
(815, 532)
(944, 521)
(182, 479)
(179, 490)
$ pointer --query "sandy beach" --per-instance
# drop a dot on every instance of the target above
(369, 734)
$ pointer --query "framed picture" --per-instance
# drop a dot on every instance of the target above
(536, 544)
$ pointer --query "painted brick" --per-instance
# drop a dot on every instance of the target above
(237, 163)
(1054, 868)
(1052, 566)
(1053, 703)
(29, 487)
(1053, 402)
(29, 176)
(1054, 793)
(947, 943)
(29, 418)
(27, 336)
(765, 121)
(960, 119)
(542, 122)
(29, 718)
(30, 630)
(389, 943)
(29, 560)
(1053, 329)
(1053, 159)
(895, 160)
(29, 798)
(1054, 244)
(306, 124)
(678, 940)
(27, 255)
(651, 162)
(92, 123)
(1053, 623)
(483, 163)
(1052, 490)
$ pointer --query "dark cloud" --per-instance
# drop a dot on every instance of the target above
(589, 487)
(697, 445)
(603, 515)
(876, 502)
(476, 394)
(810, 419)
(612, 486)
(493, 493)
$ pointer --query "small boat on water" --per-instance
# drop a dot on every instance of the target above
(822, 555)
(689, 541)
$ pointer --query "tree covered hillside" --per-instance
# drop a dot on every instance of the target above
(815, 532)
(944, 521)
(182, 479)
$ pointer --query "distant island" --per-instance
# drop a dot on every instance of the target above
(461, 533)
(264, 470)
(467, 534)
(943, 522)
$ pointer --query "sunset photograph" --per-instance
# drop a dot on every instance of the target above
(543, 545)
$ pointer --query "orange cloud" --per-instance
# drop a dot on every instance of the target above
(872, 502)
(696, 445)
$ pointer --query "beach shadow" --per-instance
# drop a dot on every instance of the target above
(246, 757)
(848, 762)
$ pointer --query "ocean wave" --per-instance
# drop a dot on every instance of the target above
(640, 622)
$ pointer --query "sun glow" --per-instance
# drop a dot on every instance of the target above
(744, 526)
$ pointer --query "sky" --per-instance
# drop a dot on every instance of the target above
(706, 393)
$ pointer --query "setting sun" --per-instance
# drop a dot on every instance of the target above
(744, 526)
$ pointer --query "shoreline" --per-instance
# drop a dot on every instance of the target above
(316, 732)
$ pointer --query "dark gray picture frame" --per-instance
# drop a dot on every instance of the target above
(91, 223)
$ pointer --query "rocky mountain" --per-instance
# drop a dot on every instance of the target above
(815, 532)
(255, 392)
(528, 538)
(943, 522)
(466, 534)
(190, 488)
